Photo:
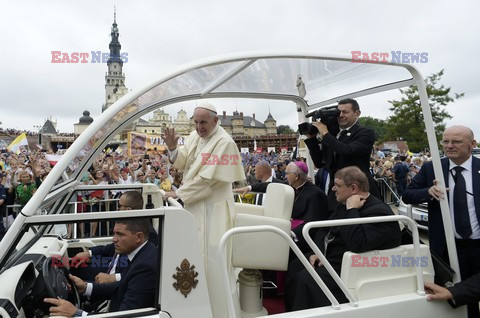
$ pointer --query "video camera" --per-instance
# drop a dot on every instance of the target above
(327, 115)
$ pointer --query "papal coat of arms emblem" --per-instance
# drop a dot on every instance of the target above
(185, 278)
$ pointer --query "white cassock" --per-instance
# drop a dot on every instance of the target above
(210, 165)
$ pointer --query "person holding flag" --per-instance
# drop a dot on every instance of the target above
(17, 143)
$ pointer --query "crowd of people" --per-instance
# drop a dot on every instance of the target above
(395, 171)
(21, 174)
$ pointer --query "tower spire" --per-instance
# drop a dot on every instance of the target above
(114, 43)
(114, 78)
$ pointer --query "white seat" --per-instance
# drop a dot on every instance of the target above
(264, 250)
(382, 273)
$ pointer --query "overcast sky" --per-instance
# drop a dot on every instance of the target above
(160, 35)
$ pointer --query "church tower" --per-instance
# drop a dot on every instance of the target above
(271, 124)
(114, 78)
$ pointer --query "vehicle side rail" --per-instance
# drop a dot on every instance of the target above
(171, 201)
(267, 228)
(343, 222)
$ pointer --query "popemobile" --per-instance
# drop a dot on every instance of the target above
(35, 258)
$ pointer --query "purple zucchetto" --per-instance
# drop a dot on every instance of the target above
(302, 165)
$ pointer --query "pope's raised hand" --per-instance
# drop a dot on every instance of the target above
(170, 138)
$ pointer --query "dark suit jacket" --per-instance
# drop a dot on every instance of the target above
(262, 188)
(417, 192)
(467, 291)
(351, 149)
(136, 289)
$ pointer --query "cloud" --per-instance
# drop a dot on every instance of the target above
(160, 36)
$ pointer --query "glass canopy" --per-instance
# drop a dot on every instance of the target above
(318, 80)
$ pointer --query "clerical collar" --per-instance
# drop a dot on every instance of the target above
(301, 185)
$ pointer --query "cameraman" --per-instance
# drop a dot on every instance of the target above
(351, 146)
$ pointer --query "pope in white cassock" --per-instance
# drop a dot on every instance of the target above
(211, 163)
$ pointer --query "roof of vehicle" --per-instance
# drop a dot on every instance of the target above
(309, 79)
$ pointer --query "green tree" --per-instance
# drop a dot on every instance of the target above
(407, 120)
(284, 130)
(378, 125)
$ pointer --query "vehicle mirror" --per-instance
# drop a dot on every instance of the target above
(60, 230)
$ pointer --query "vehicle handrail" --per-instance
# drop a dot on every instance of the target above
(81, 187)
(376, 219)
(171, 201)
(221, 253)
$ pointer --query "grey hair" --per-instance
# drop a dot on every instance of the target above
(301, 175)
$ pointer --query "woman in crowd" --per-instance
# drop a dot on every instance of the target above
(151, 177)
(165, 183)
(177, 181)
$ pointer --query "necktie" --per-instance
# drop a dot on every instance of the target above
(342, 133)
(123, 264)
(460, 206)
(113, 264)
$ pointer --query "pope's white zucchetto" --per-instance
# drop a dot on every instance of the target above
(207, 106)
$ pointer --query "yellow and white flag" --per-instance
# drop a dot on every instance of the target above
(17, 143)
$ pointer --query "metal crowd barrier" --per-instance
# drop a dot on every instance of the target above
(15, 208)
(388, 191)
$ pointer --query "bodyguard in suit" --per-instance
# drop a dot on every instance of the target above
(352, 146)
(136, 289)
(130, 200)
(462, 180)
